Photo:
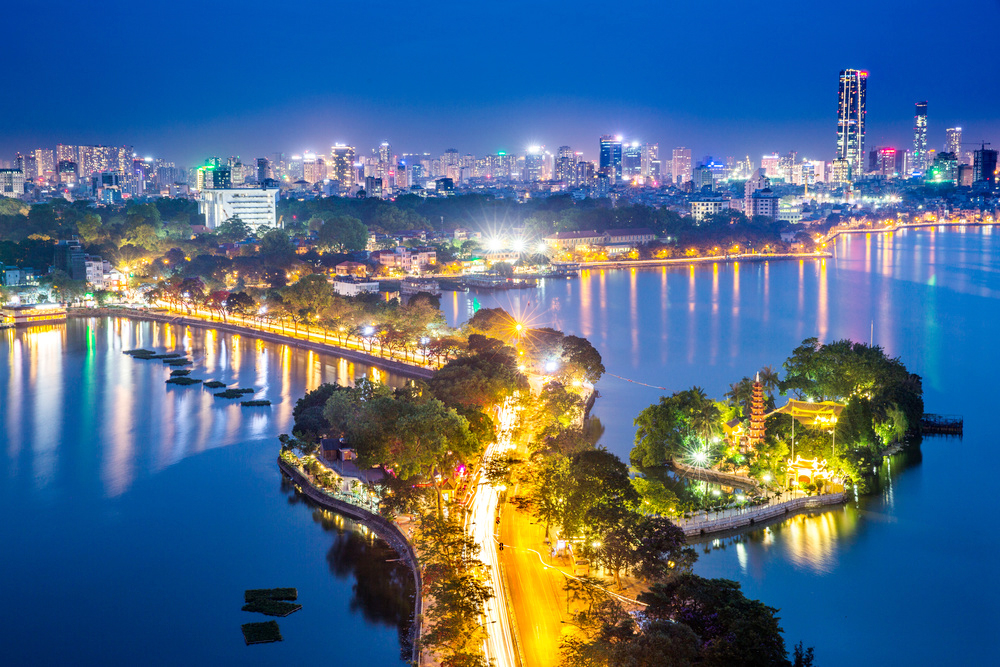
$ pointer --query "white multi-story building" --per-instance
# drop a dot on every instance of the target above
(704, 207)
(257, 207)
(11, 183)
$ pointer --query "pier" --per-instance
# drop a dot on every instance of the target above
(932, 424)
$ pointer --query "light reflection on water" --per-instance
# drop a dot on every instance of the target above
(111, 393)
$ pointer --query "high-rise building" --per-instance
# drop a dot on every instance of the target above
(45, 164)
(650, 155)
(944, 170)
(566, 165)
(851, 119)
(533, 163)
(681, 165)
(313, 168)
(984, 166)
(341, 166)
(263, 170)
(953, 141)
(632, 161)
(920, 137)
(882, 162)
(610, 163)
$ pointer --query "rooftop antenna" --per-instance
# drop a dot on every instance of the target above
(871, 339)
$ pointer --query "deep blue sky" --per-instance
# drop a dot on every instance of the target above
(185, 80)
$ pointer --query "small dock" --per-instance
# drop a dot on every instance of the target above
(941, 424)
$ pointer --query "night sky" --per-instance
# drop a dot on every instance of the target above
(186, 80)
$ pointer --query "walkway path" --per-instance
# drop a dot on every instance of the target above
(703, 523)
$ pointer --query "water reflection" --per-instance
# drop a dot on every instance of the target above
(89, 402)
(383, 586)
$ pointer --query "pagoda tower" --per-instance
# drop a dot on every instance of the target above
(756, 435)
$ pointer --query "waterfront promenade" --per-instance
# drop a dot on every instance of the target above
(682, 261)
(707, 522)
(275, 333)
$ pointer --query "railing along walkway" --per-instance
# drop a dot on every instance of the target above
(704, 522)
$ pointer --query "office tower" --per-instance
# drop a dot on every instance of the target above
(385, 153)
(632, 161)
(66, 172)
(650, 155)
(263, 169)
(984, 166)
(851, 120)
(584, 174)
(920, 137)
(532, 165)
(953, 141)
(313, 168)
(295, 168)
(565, 165)
(341, 166)
(610, 163)
(681, 165)
(882, 162)
(122, 159)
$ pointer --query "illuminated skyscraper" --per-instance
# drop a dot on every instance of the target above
(650, 160)
(632, 161)
(851, 119)
(532, 165)
(341, 166)
(566, 165)
(953, 141)
(920, 137)
(611, 158)
(45, 164)
(681, 165)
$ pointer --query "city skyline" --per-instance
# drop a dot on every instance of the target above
(680, 94)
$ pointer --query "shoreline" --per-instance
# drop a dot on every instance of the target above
(396, 367)
(384, 529)
(681, 261)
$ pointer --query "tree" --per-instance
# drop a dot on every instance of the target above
(232, 230)
(546, 490)
(601, 498)
(664, 428)
(661, 549)
(341, 233)
(579, 354)
(733, 629)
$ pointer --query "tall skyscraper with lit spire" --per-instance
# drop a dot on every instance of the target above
(851, 119)
(920, 137)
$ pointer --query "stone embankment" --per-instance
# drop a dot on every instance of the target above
(397, 367)
(383, 528)
(734, 519)
(743, 257)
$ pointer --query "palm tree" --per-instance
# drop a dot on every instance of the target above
(769, 379)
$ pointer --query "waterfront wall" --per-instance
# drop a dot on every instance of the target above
(749, 517)
(749, 257)
(397, 367)
(383, 528)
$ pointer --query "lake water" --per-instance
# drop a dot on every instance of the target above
(133, 514)
(905, 576)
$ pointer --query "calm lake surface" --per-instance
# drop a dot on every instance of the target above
(904, 576)
(133, 514)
